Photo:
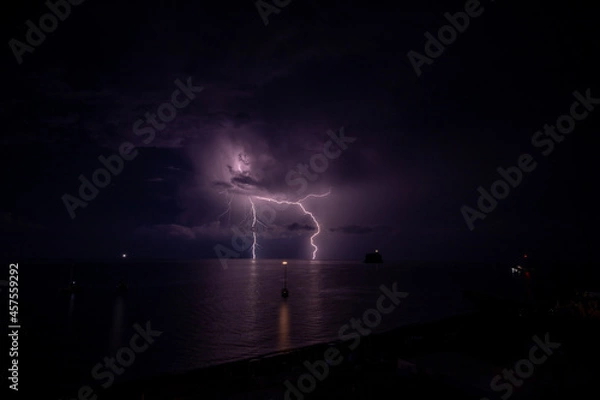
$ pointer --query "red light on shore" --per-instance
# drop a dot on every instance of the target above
(525, 256)
(527, 274)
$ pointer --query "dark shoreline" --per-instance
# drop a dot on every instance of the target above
(375, 367)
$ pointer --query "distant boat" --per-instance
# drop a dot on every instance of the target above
(523, 267)
(284, 292)
(374, 258)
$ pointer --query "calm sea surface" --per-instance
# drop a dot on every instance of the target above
(209, 315)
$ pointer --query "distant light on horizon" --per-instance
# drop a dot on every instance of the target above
(124, 255)
(284, 263)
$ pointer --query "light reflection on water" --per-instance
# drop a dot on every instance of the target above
(284, 327)
(70, 313)
(117, 323)
(210, 315)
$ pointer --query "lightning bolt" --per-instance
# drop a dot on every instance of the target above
(228, 210)
(253, 228)
(252, 215)
(306, 212)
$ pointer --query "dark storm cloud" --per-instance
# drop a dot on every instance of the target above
(222, 185)
(271, 94)
(298, 227)
(362, 230)
(212, 231)
(245, 181)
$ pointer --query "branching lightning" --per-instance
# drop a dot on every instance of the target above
(227, 210)
(242, 160)
(306, 212)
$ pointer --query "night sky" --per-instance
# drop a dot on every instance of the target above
(270, 95)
